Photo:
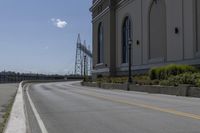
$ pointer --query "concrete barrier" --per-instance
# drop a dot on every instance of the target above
(181, 90)
(91, 84)
(168, 90)
(114, 86)
(194, 92)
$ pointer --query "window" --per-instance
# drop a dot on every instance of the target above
(157, 29)
(126, 36)
(100, 43)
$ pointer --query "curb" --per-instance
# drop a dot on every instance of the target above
(17, 119)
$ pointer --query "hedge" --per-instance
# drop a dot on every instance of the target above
(162, 73)
(185, 78)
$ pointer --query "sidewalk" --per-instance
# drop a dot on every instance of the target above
(7, 91)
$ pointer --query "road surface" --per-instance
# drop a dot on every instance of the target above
(66, 108)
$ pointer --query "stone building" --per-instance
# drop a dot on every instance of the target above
(162, 32)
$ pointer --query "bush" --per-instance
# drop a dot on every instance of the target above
(170, 76)
(119, 80)
(103, 80)
(143, 82)
(162, 73)
(87, 79)
(185, 78)
(197, 83)
(141, 77)
(166, 83)
(152, 73)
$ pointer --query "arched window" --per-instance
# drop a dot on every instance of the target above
(157, 29)
(126, 36)
(100, 43)
(198, 25)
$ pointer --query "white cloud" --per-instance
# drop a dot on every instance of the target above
(59, 23)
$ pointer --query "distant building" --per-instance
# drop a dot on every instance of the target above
(162, 31)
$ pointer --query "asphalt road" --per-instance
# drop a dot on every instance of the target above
(66, 108)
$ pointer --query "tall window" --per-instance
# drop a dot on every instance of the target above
(157, 29)
(126, 35)
(100, 43)
(198, 25)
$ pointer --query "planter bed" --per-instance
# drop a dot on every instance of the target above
(181, 90)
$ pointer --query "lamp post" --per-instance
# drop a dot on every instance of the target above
(129, 62)
(130, 41)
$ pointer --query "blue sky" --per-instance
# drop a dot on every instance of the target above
(40, 35)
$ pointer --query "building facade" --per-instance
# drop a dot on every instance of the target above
(162, 32)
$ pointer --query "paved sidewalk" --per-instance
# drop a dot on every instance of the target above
(7, 91)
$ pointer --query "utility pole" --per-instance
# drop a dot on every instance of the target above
(84, 67)
(4, 74)
(81, 64)
(78, 60)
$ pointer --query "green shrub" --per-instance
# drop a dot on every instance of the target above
(170, 76)
(141, 77)
(185, 78)
(144, 82)
(119, 80)
(155, 82)
(197, 83)
(152, 73)
(87, 79)
(162, 73)
(166, 83)
(103, 80)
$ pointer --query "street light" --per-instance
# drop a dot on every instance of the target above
(130, 81)
(129, 62)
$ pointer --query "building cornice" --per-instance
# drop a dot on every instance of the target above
(123, 3)
(101, 14)
(95, 4)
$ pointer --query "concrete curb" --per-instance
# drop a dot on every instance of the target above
(17, 119)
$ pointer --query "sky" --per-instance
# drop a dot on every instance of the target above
(40, 36)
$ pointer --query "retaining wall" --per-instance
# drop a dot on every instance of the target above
(182, 90)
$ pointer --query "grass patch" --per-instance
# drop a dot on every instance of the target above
(6, 115)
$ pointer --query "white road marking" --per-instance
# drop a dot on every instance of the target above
(38, 118)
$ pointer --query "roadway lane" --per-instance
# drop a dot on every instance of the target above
(66, 108)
